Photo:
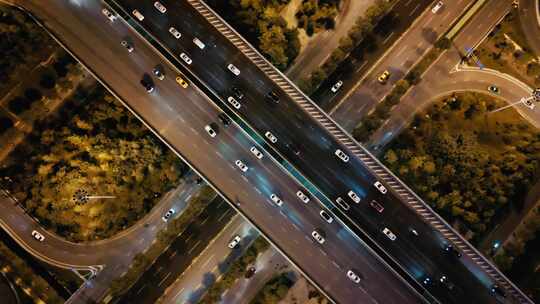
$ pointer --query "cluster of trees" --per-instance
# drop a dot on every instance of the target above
(22, 43)
(317, 15)
(99, 147)
(468, 164)
(260, 23)
(236, 271)
(15, 267)
(48, 79)
(370, 123)
(164, 238)
(361, 31)
(274, 290)
(515, 246)
(5, 124)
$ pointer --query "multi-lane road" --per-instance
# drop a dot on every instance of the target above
(181, 122)
(310, 148)
(179, 116)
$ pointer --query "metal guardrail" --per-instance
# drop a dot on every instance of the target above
(405, 193)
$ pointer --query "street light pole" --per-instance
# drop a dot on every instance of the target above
(527, 101)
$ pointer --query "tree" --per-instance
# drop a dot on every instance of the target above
(48, 79)
(443, 43)
(32, 94)
(19, 104)
(5, 124)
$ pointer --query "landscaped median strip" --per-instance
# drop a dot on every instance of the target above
(143, 261)
(236, 270)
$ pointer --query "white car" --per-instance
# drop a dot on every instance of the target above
(326, 217)
(234, 102)
(389, 234)
(108, 14)
(344, 157)
(233, 69)
(353, 276)
(342, 204)
(304, 198)
(276, 199)
(38, 236)
(271, 137)
(167, 215)
(127, 45)
(354, 196)
(210, 131)
(198, 43)
(160, 7)
(175, 32)
(186, 58)
(380, 187)
(318, 236)
(256, 152)
(138, 15)
(241, 165)
(437, 7)
(528, 103)
(234, 242)
(337, 86)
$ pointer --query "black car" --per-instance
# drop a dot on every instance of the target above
(450, 249)
(250, 272)
(238, 94)
(158, 72)
(272, 96)
(498, 291)
(147, 83)
(224, 119)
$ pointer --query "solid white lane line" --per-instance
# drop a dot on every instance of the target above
(193, 248)
(163, 280)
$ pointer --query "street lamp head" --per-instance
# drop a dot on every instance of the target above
(536, 95)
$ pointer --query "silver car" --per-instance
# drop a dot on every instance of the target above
(304, 198)
(138, 15)
(241, 165)
(353, 276)
(108, 14)
(337, 86)
(344, 157)
(233, 69)
(389, 234)
(354, 196)
(380, 187)
(276, 199)
(186, 58)
(160, 7)
(326, 216)
(234, 242)
(175, 32)
(234, 102)
(38, 236)
(318, 236)
(256, 152)
(271, 137)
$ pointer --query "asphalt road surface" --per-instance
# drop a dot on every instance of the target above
(451, 77)
(304, 143)
(364, 57)
(175, 259)
(363, 98)
(180, 115)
